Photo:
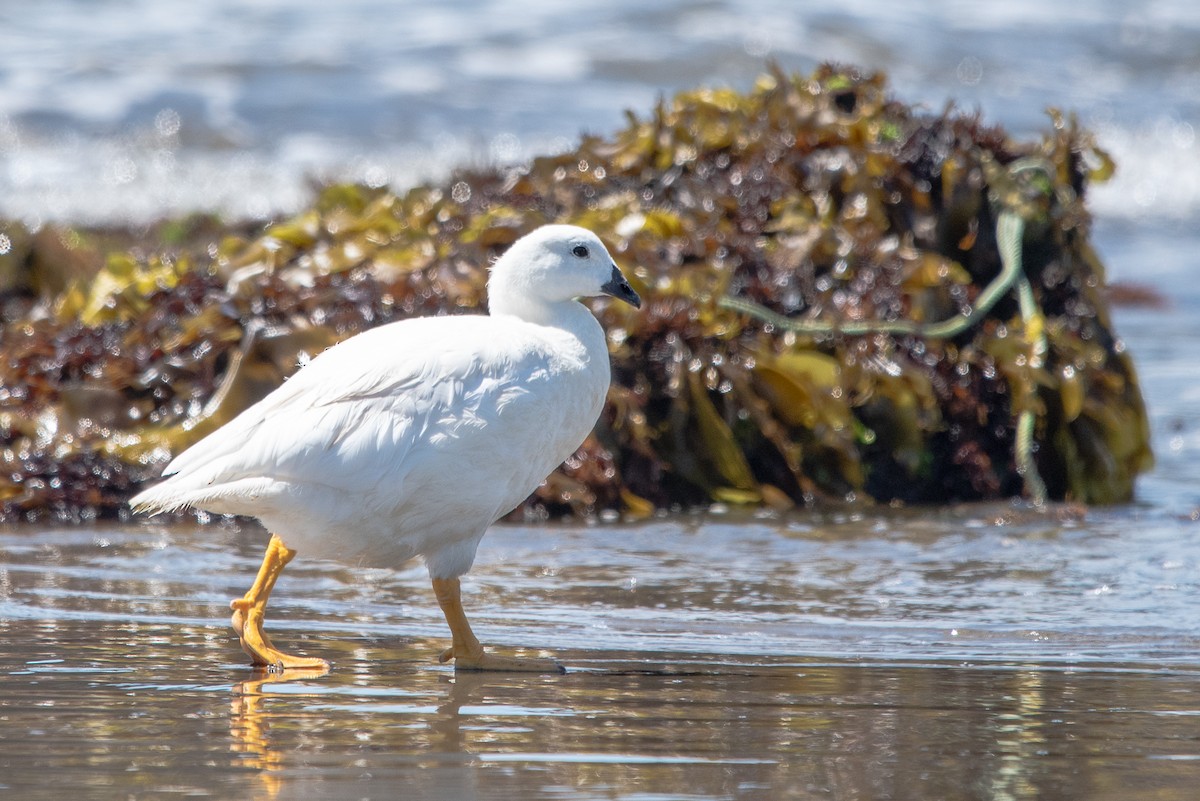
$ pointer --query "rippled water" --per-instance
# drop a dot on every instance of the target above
(133, 109)
(984, 652)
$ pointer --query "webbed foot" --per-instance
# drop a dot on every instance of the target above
(247, 621)
(509, 664)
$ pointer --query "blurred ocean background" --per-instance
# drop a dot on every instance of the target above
(128, 110)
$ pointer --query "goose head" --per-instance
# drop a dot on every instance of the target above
(552, 265)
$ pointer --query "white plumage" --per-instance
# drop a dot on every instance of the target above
(412, 438)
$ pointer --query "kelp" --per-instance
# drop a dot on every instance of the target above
(829, 312)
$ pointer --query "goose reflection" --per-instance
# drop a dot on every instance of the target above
(264, 723)
(250, 726)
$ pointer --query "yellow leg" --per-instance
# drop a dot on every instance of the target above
(465, 649)
(248, 614)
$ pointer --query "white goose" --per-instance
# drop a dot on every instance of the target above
(412, 438)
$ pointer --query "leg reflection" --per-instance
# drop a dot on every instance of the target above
(250, 727)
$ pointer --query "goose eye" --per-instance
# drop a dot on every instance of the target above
(580, 251)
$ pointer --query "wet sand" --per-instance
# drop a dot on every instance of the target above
(955, 655)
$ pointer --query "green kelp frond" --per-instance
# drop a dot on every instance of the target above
(844, 299)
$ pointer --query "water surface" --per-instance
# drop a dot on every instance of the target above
(985, 652)
(130, 110)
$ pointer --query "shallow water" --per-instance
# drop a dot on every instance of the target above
(984, 652)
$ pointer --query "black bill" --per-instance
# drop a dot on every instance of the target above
(620, 289)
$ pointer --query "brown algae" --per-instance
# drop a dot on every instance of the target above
(832, 311)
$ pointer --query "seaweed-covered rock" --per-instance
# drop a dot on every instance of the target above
(844, 299)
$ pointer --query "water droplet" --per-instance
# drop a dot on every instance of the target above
(123, 171)
(757, 44)
(970, 71)
(167, 122)
(505, 148)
